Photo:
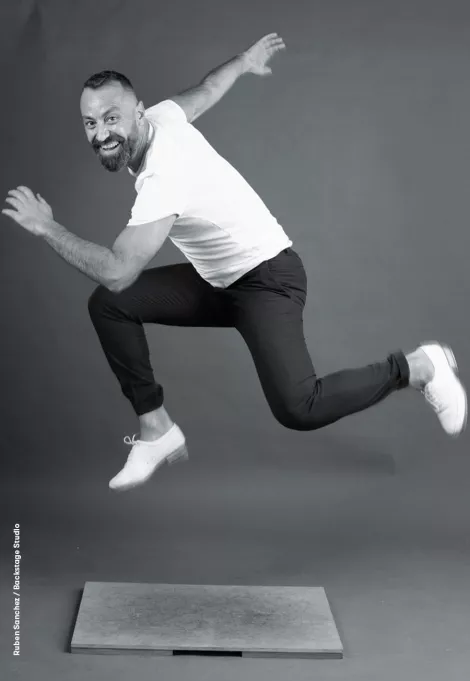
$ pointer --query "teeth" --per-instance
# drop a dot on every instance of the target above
(112, 146)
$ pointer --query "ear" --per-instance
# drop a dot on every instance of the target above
(140, 111)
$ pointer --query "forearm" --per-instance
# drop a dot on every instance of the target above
(96, 262)
(220, 80)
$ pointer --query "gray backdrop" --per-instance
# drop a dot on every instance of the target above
(359, 145)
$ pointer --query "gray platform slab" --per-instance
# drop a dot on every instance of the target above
(166, 619)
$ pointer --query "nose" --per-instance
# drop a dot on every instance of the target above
(102, 134)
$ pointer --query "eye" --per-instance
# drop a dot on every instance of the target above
(88, 124)
(112, 119)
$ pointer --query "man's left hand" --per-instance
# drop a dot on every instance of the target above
(30, 211)
(257, 56)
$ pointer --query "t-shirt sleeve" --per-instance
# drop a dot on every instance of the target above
(167, 111)
(159, 197)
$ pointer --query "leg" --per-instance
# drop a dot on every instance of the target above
(174, 295)
(269, 307)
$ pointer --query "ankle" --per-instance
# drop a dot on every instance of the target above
(421, 369)
(154, 424)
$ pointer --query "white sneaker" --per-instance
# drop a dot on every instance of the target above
(146, 457)
(445, 392)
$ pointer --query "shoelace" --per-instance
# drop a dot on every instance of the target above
(133, 452)
(433, 401)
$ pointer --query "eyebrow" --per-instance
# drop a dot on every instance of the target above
(105, 113)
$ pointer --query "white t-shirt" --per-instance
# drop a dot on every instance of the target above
(222, 227)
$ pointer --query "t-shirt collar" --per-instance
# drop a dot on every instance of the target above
(151, 134)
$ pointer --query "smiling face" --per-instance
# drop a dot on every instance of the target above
(114, 124)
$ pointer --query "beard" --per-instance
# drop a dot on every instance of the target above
(115, 159)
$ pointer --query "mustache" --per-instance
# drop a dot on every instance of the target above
(109, 140)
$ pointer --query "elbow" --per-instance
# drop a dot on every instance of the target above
(114, 283)
(115, 286)
(119, 284)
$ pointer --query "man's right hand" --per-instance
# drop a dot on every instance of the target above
(257, 56)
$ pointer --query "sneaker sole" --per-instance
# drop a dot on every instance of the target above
(178, 455)
(450, 358)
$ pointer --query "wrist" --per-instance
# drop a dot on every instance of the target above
(49, 228)
(244, 63)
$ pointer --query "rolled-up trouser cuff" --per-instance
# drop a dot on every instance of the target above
(143, 404)
(400, 362)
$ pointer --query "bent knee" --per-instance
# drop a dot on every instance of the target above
(100, 298)
(297, 417)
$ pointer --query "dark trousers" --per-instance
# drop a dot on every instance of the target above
(266, 307)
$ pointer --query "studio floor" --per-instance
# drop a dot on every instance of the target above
(386, 536)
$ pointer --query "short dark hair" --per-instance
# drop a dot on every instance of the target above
(102, 78)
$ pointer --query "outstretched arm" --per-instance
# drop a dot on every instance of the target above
(115, 268)
(213, 87)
